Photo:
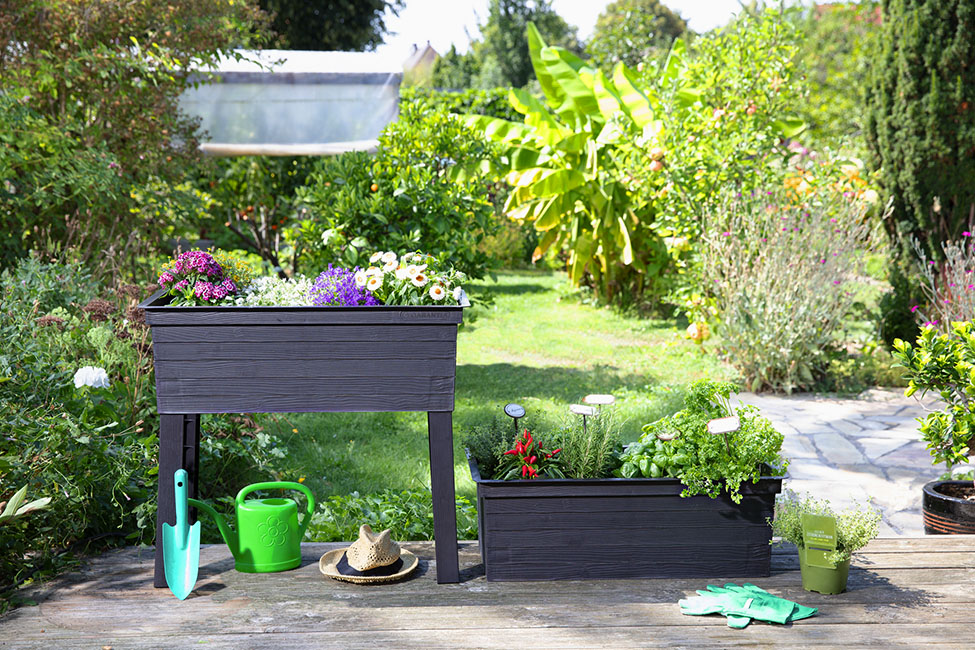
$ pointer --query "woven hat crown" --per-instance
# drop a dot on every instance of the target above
(372, 550)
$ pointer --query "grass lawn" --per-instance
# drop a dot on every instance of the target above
(523, 346)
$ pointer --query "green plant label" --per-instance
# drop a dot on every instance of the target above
(819, 538)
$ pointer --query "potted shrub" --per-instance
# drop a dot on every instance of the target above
(944, 363)
(702, 515)
(854, 528)
(377, 339)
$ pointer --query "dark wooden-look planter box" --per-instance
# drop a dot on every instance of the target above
(570, 529)
(304, 359)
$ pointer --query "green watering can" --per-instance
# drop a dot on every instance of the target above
(268, 536)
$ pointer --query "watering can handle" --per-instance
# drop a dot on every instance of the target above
(283, 485)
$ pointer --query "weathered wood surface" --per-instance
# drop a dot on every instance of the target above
(903, 593)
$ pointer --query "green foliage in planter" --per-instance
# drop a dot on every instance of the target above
(921, 119)
(404, 198)
(680, 446)
(592, 451)
(855, 526)
(529, 459)
(944, 364)
(409, 513)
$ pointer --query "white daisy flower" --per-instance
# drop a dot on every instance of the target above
(412, 270)
(420, 279)
(406, 257)
(361, 278)
(389, 257)
(374, 270)
(374, 282)
(401, 273)
(437, 292)
(375, 257)
(389, 266)
(91, 376)
(458, 292)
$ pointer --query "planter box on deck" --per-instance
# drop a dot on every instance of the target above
(303, 359)
(570, 529)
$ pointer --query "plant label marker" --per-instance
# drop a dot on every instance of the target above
(515, 412)
(724, 426)
(584, 411)
(819, 538)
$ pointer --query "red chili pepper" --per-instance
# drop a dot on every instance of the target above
(531, 461)
(533, 472)
(557, 450)
(509, 452)
(519, 448)
(524, 470)
(528, 436)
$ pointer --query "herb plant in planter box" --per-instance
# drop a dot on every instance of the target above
(220, 347)
(854, 528)
(640, 526)
(944, 363)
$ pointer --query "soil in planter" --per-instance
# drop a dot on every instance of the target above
(966, 492)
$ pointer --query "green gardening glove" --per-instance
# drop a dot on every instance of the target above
(711, 603)
(764, 603)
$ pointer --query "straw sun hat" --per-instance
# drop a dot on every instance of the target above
(372, 558)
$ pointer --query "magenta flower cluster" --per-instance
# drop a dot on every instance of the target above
(195, 276)
(337, 287)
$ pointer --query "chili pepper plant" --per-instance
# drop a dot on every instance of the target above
(528, 459)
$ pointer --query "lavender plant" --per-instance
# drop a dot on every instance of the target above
(778, 264)
(338, 287)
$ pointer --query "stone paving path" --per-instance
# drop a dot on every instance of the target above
(846, 449)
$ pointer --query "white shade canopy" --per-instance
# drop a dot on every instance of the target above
(285, 102)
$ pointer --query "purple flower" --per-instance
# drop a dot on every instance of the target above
(726, 234)
(336, 287)
(836, 281)
(966, 234)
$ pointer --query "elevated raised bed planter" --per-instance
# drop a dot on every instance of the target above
(302, 359)
(570, 529)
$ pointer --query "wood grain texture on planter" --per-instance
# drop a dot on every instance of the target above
(571, 529)
(303, 359)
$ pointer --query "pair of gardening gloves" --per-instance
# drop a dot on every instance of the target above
(743, 604)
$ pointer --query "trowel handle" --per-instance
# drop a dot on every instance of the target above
(283, 485)
(180, 493)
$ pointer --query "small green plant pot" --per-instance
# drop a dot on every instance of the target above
(823, 580)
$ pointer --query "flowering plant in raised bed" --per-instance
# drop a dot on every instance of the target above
(411, 279)
(338, 286)
(195, 278)
(529, 460)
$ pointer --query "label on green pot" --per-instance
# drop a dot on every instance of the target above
(819, 538)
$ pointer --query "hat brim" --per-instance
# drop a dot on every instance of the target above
(327, 565)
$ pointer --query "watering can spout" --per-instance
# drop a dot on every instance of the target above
(229, 534)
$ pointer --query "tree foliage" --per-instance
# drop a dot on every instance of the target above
(344, 25)
(921, 120)
(101, 81)
(501, 58)
(835, 51)
(633, 31)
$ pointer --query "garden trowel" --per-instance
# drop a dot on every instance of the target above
(181, 543)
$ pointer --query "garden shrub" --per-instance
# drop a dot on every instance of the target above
(921, 119)
(91, 448)
(406, 197)
(492, 102)
(777, 265)
(103, 80)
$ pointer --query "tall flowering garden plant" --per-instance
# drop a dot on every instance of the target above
(411, 279)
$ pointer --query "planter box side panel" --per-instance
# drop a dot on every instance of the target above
(665, 536)
(304, 368)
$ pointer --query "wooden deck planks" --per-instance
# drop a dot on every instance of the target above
(913, 592)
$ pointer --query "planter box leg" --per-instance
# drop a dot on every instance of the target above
(179, 447)
(444, 504)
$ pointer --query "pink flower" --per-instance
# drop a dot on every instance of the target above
(726, 234)
(836, 281)
(966, 234)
